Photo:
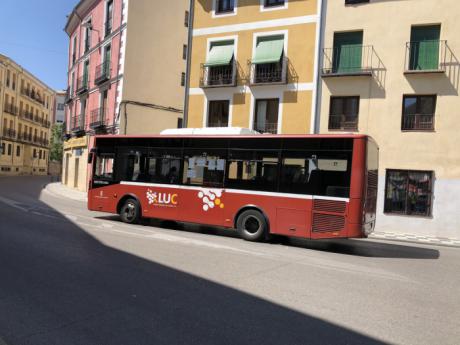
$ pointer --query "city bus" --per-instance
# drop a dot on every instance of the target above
(305, 186)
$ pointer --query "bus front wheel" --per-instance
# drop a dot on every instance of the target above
(130, 212)
(252, 225)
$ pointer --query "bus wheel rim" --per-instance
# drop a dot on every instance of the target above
(251, 225)
(130, 211)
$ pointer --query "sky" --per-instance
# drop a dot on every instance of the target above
(32, 34)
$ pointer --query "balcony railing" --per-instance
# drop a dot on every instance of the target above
(78, 123)
(26, 115)
(10, 109)
(355, 60)
(269, 73)
(98, 118)
(267, 127)
(218, 76)
(82, 84)
(33, 95)
(426, 56)
(102, 72)
(343, 122)
(418, 122)
(25, 137)
(9, 133)
(68, 96)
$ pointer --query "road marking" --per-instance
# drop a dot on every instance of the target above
(13, 204)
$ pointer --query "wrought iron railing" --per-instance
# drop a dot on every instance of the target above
(10, 109)
(26, 115)
(98, 118)
(82, 84)
(9, 133)
(216, 76)
(426, 56)
(267, 127)
(343, 122)
(269, 73)
(349, 60)
(102, 72)
(78, 123)
(418, 122)
(33, 95)
(24, 136)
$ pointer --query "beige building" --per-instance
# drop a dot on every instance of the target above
(26, 108)
(391, 69)
(253, 65)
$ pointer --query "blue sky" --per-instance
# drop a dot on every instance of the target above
(31, 33)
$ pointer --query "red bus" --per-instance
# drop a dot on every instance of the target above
(307, 186)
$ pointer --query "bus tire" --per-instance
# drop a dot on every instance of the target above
(130, 212)
(252, 226)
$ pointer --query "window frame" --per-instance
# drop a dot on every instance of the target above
(217, 14)
(356, 129)
(417, 104)
(256, 106)
(429, 205)
(208, 109)
(265, 8)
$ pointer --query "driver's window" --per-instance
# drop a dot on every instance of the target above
(104, 167)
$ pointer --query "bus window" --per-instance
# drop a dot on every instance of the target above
(253, 170)
(163, 167)
(306, 173)
(204, 169)
(104, 167)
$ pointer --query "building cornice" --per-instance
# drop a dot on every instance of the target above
(77, 14)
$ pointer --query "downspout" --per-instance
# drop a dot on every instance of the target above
(316, 113)
(189, 62)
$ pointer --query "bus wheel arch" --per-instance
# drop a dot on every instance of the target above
(255, 215)
(134, 201)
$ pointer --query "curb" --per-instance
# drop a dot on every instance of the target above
(434, 241)
(59, 190)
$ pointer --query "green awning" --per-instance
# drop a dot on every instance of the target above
(269, 50)
(220, 54)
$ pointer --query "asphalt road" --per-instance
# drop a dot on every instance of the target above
(69, 276)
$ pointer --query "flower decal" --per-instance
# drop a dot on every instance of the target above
(151, 197)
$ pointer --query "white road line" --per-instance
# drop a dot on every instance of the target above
(13, 204)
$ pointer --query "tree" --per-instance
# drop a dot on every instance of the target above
(56, 143)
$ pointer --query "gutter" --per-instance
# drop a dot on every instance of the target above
(189, 62)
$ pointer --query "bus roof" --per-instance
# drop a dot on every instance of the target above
(231, 136)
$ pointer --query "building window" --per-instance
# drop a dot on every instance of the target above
(225, 6)
(269, 64)
(18, 151)
(408, 192)
(266, 115)
(108, 18)
(60, 107)
(184, 52)
(424, 48)
(186, 19)
(74, 50)
(418, 113)
(3, 149)
(8, 78)
(182, 79)
(343, 113)
(87, 36)
(35, 153)
(274, 3)
(347, 52)
(10, 149)
(219, 67)
(352, 2)
(218, 113)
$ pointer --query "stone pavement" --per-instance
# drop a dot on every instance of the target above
(59, 189)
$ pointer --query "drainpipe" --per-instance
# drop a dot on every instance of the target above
(189, 61)
(322, 6)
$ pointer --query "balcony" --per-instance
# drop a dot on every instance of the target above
(10, 109)
(343, 122)
(417, 122)
(98, 118)
(77, 124)
(9, 133)
(102, 73)
(268, 127)
(25, 137)
(33, 95)
(26, 115)
(68, 96)
(218, 76)
(346, 61)
(269, 73)
(426, 57)
(82, 84)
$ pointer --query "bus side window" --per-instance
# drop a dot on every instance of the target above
(104, 167)
(163, 168)
(204, 169)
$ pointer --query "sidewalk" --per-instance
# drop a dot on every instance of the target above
(58, 189)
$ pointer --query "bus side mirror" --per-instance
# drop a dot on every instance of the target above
(90, 157)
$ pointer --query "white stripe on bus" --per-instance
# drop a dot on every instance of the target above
(237, 191)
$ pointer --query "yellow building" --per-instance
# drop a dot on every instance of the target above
(391, 69)
(26, 105)
(253, 65)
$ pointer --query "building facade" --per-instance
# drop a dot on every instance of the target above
(59, 107)
(125, 66)
(26, 108)
(391, 71)
(253, 65)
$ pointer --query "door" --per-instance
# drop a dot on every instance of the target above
(347, 55)
(75, 178)
(424, 47)
(66, 175)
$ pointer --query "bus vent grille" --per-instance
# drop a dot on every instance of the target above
(372, 179)
(327, 222)
(329, 206)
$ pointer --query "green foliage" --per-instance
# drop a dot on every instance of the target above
(56, 143)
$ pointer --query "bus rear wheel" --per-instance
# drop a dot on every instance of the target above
(130, 212)
(252, 226)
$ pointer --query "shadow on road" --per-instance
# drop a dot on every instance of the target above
(59, 285)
